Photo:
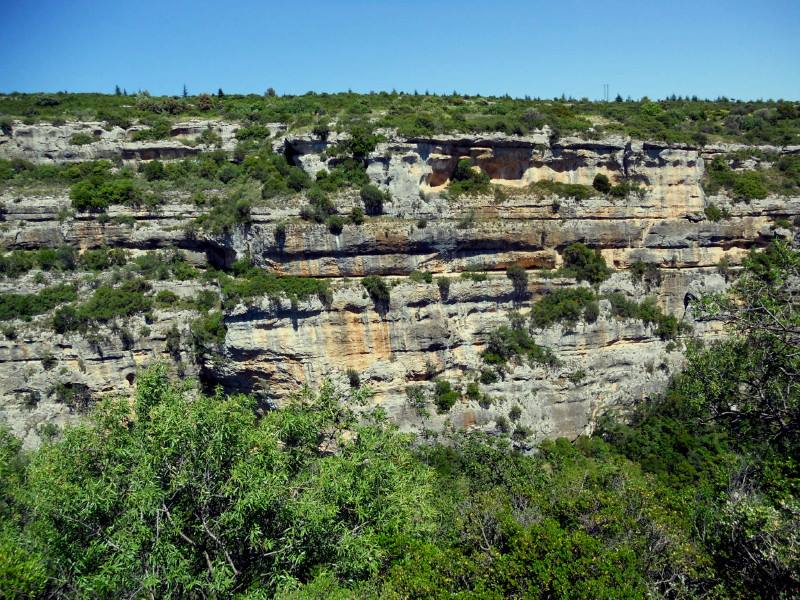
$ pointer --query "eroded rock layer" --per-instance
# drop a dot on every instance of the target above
(273, 346)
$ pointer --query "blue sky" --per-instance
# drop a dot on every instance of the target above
(541, 48)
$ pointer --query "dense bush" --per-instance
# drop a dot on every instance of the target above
(506, 343)
(105, 304)
(601, 183)
(562, 305)
(676, 120)
(519, 280)
(562, 190)
(467, 179)
(378, 290)
(17, 262)
(743, 185)
(25, 306)
(584, 264)
(81, 139)
(691, 496)
(445, 397)
(98, 188)
(251, 282)
(666, 326)
(373, 199)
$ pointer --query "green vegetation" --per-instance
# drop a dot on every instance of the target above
(421, 276)
(373, 199)
(519, 280)
(667, 326)
(683, 120)
(601, 183)
(81, 139)
(105, 304)
(250, 282)
(443, 284)
(182, 494)
(19, 262)
(378, 290)
(25, 306)
(715, 214)
(743, 185)
(562, 190)
(445, 397)
(584, 264)
(468, 179)
(779, 175)
(563, 305)
(511, 342)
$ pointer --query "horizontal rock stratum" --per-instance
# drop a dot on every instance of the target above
(274, 345)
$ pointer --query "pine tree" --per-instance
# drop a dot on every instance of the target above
(117, 91)
(185, 91)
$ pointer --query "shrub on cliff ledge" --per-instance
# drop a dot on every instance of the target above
(377, 289)
(601, 183)
(585, 264)
(519, 279)
(467, 179)
(373, 199)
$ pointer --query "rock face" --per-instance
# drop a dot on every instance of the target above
(271, 347)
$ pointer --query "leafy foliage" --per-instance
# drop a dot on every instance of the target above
(584, 264)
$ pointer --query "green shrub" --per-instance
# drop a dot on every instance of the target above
(225, 215)
(208, 332)
(519, 279)
(97, 193)
(666, 326)
(357, 215)
(585, 264)
(562, 190)
(373, 199)
(252, 282)
(445, 397)
(421, 276)
(601, 183)
(335, 224)
(108, 302)
(153, 170)
(167, 298)
(25, 306)
(378, 290)
(743, 185)
(444, 287)
(82, 138)
(353, 378)
(158, 130)
(563, 305)
(506, 343)
(468, 180)
(101, 259)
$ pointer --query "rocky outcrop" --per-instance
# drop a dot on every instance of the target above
(272, 347)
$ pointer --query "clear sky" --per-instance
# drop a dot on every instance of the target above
(736, 48)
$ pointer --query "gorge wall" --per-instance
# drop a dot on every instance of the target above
(273, 346)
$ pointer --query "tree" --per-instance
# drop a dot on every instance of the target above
(220, 93)
(270, 93)
(117, 91)
(200, 496)
(185, 91)
(601, 183)
(373, 198)
(585, 264)
(378, 290)
(519, 279)
(752, 380)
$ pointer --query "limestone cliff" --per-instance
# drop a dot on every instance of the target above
(271, 347)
